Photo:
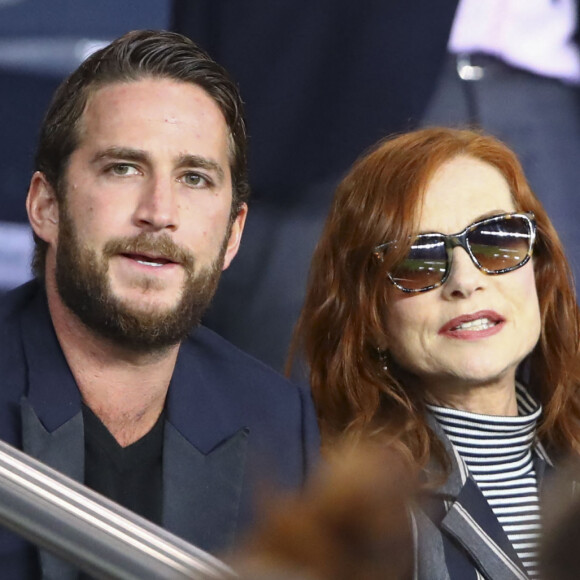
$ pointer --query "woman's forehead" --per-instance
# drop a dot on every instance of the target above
(462, 191)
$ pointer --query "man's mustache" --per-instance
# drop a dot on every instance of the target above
(160, 246)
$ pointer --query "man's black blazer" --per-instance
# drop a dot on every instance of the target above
(233, 428)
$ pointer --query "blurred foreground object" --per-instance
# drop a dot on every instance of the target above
(560, 548)
(351, 522)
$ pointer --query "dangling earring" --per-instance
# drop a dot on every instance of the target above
(383, 356)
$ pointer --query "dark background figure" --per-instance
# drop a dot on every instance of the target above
(40, 43)
(325, 79)
(322, 81)
(513, 68)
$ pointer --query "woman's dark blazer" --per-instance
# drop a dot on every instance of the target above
(457, 536)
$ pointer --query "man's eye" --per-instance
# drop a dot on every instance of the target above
(195, 180)
(123, 169)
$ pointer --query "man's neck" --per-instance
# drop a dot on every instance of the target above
(124, 388)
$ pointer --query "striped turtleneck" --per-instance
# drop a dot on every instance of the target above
(498, 452)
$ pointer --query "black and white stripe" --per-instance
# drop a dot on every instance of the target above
(498, 452)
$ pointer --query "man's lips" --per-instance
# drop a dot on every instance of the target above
(147, 252)
(476, 325)
(149, 259)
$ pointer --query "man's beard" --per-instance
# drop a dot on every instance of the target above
(83, 285)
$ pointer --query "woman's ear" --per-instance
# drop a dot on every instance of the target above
(42, 208)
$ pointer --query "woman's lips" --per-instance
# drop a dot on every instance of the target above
(473, 326)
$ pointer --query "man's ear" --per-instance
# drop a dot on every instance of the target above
(42, 208)
(235, 235)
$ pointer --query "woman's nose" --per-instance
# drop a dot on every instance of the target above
(465, 277)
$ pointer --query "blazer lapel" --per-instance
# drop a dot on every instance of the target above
(471, 522)
(201, 492)
(204, 460)
(63, 450)
(544, 468)
(52, 424)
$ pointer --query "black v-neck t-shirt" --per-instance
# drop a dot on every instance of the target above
(130, 476)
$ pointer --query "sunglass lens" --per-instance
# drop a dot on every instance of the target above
(501, 244)
(424, 265)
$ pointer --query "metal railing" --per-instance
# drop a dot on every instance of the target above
(90, 531)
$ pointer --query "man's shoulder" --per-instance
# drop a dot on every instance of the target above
(214, 352)
(236, 390)
(13, 367)
(13, 302)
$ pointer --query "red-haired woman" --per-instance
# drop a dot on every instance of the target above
(441, 315)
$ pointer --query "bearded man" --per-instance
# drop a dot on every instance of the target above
(137, 204)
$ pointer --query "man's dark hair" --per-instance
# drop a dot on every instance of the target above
(133, 56)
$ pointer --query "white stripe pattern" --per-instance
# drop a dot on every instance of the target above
(498, 451)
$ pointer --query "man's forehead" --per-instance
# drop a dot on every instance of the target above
(102, 99)
(152, 100)
(121, 90)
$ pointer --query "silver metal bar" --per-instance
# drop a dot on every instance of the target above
(53, 56)
(94, 533)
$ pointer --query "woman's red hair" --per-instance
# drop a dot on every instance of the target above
(341, 330)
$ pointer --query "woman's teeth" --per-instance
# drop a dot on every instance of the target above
(479, 324)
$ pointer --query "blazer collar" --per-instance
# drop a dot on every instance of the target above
(204, 457)
(469, 519)
(458, 474)
(52, 425)
(204, 448)
(54, 396)
(52, 390)
(195, 405)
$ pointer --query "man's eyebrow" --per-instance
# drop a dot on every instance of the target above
(197, 161)
(121, 153)
(138, 155)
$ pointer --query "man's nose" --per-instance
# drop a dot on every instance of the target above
(158, 207)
